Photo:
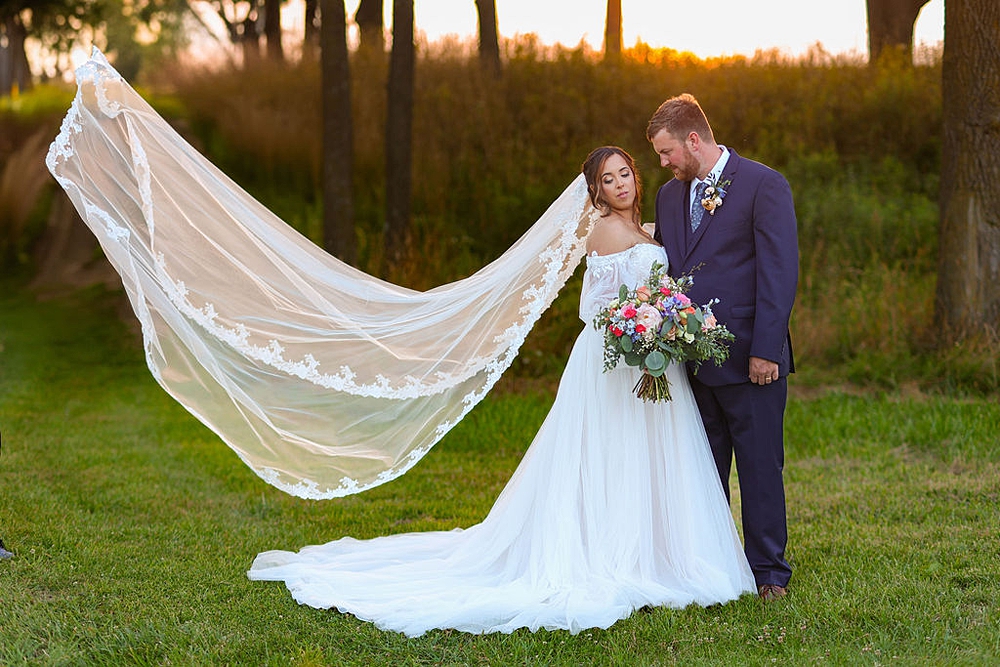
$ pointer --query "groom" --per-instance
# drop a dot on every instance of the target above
(731, 222)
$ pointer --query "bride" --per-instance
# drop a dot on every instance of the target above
(616, 504)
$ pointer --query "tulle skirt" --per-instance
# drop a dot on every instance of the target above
(616, 505)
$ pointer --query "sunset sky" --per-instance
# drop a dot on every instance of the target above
(717, 27)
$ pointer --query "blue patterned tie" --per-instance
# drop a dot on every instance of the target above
(697, 210)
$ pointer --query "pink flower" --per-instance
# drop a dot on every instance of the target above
(684, 300)
(648, 317)
(628, 312)
(642, 293)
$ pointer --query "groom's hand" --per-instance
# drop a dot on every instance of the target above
(763, 371)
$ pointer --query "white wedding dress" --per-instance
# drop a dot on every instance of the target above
(616, 505)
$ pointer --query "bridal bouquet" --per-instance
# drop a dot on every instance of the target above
(656, 324)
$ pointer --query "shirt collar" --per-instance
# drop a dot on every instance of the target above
(716, 171)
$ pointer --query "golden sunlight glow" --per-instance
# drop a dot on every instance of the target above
(720, 27)
(726, 28)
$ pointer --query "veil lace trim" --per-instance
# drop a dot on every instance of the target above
(324, 380)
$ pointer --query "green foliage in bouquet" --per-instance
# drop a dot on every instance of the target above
(656, 323)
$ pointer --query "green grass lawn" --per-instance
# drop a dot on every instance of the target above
(133, 527)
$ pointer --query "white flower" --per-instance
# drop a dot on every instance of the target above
(648, 316)
(714, 194)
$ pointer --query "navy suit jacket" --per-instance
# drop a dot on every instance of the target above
(749, 260)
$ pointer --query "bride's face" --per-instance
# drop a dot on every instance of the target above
(618, 185)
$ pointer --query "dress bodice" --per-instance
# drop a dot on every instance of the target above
(607, 273)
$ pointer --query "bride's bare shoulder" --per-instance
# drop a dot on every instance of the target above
(609, 236)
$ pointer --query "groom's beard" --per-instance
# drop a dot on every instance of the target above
(688, 167)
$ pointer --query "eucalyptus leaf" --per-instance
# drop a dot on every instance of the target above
(656, 361)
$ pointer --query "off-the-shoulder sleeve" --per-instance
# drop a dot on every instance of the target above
(601, 282)
(607, 273)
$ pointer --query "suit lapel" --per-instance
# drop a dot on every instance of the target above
(706, 220)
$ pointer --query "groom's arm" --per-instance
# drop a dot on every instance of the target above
(777, 265)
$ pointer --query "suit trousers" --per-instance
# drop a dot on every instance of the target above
(747, 420)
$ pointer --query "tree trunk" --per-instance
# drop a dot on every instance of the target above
(968, 288)
(890, 26)
(613, 31)
(249, 38)
(398, 134)
(272, 30)
(310, 40)
(489, 40)
(6, 59)
(369, 20)
(14, 71)
(338, 135)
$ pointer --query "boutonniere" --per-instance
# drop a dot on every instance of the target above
(715, 192)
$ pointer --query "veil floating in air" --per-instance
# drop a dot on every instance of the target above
(324, 380)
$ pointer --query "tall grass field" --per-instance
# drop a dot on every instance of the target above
(859, 144)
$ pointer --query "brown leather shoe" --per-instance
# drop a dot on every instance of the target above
(771, 592)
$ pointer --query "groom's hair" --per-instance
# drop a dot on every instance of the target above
(680, 116)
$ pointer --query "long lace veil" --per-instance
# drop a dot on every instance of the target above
(324, 380)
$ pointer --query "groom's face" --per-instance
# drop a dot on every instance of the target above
(675, 156)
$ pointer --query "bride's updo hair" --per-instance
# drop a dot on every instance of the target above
(592, 168)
